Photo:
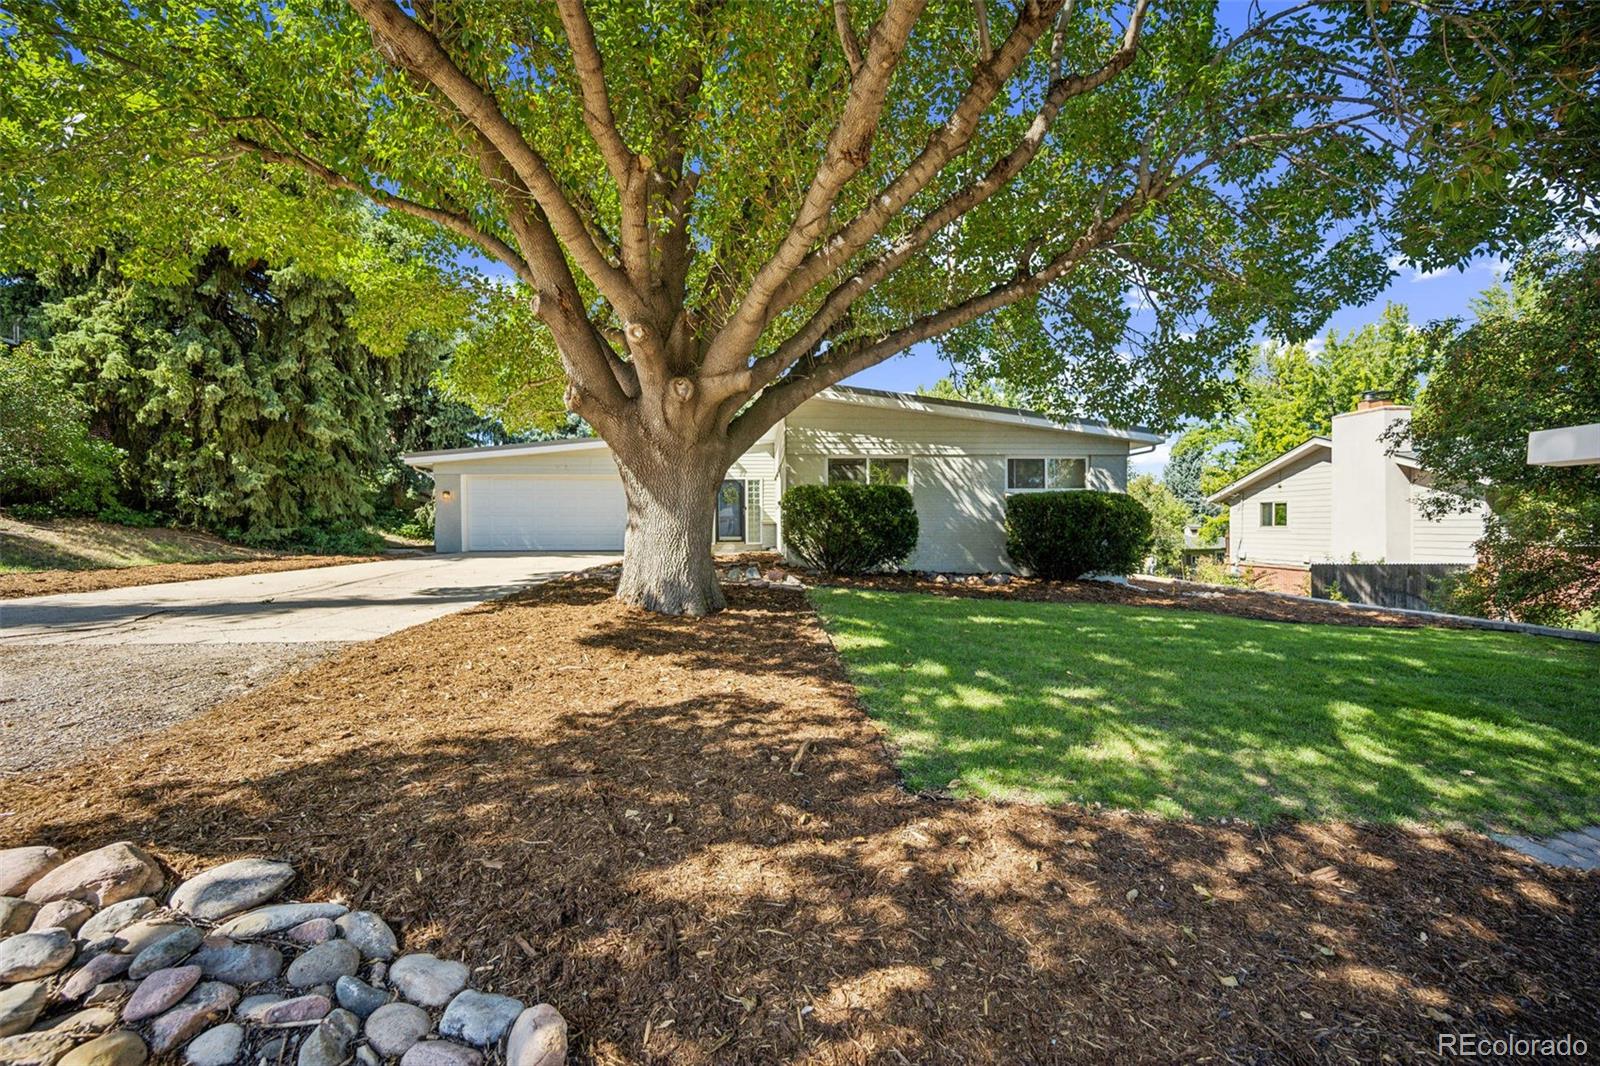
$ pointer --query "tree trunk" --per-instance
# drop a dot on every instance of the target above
(666, 556)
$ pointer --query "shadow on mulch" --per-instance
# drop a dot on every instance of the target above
(688, 837)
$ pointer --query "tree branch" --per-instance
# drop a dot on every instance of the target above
(847, 36)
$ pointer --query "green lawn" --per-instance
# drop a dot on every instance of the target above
(1193, 714)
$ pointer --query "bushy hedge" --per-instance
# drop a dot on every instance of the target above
(1060, 536)
(848, 528)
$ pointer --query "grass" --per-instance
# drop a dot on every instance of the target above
(28, 545)
(1201, 715)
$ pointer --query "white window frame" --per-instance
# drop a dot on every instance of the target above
(1046, 459)
(828, 461)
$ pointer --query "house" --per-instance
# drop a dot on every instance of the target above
(959, 460)
(1342, 498)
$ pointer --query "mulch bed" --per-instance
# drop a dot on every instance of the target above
(689, 837)
(52, 582)
(1240, 603)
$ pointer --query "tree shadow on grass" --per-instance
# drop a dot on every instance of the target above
(703, 840)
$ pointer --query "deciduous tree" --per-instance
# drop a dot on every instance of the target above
(719, 209)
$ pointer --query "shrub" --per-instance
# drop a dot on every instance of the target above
(49, 462)
(1060, 536)
(848, 528)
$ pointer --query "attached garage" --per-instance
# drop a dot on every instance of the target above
(523, 512)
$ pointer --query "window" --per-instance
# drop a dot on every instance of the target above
(871, 471)
(1033, 475)
(1274, 514)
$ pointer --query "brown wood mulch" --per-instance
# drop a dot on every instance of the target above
(1187, 596)
(52, 582)
(689, 837)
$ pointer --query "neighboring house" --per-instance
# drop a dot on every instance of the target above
(1340, 499)
(1198, 548)
(958, 459)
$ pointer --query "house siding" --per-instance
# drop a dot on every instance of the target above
(1307, 487)
(958, 470)
(1450, 539)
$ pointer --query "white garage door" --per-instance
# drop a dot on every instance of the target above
(503, 513)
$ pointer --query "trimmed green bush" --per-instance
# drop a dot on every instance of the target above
(1060, 536)
(847, 528)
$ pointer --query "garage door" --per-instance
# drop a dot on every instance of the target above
(542, 513)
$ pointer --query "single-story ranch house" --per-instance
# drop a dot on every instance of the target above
(958, 459)
(1342, 498)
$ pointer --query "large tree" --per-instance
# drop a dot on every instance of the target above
(719, 208)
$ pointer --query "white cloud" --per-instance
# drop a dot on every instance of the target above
(1398, 264)
(1152, 462)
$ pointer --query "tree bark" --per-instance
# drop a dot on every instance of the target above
(666, 554)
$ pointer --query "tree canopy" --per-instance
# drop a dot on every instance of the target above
(718, 209)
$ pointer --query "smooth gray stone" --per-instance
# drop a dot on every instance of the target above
(21, 1005)
(16, 914)
(539, 1038)
(115, 918)
(217, 1046)
(238, 964)
(329, 1043)
(427, 980)
(230, 888)
(358, 997)
(26, 956)
(166, 952)
(276, 918)
(393, 1028)
(479, 1018)
(370, 933)
(324, 964)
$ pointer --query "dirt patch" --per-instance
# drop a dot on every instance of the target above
(60, 703)
(687, 836)
(53, 582)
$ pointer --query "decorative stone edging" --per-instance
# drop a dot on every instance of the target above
(96, 971)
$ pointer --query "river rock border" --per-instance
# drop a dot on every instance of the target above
(97, 968)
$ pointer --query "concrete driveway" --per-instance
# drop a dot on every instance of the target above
(334, 603)
(83, 672)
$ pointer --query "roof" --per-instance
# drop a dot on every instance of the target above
(906, 401)
(879, 398)
(1267, 469)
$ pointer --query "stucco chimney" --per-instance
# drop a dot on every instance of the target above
(1371, 494)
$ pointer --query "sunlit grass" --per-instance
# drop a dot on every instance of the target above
(1185, 713)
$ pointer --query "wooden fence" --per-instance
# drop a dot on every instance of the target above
(1412, 585)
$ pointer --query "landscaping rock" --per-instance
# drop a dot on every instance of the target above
(370, 933)
(260, 999)
(96, 971)
(16, 914)
(238, 964)
(26, 956)
(329, 1043)
(272, 1051)
(367, 1057)
(299, 1009)
(441, 1053)
(209, 1001)
(479, 1018)
(539, 1038)
(21, 1005)
(160, 992)
(35, 1049)
(86, 1023)
(102, 877)
(276, 918)
(324, 964)
(395, 1027)
(68, 914)
(168, 951)
(21, 867)
(217, 1046)
(116, 918)
(122, 1048)
(358, 997)
(316, 931)
(230, 888)
(109, 993)
(430, 981)
(132, 939)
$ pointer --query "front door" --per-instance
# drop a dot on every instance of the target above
(730, 510)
